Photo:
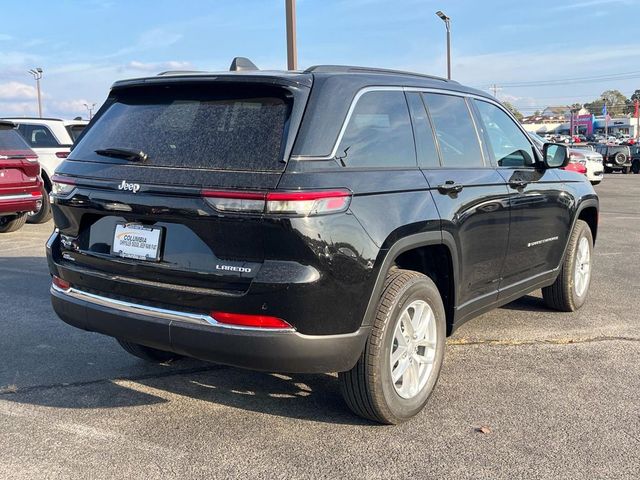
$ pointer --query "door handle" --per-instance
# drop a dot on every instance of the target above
(518, 183)
(450, 187)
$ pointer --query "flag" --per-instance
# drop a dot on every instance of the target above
(604, 110)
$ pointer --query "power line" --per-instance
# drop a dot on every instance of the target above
(572, 80)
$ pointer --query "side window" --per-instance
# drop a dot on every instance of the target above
(422, 131)
(38, 136)
(378, 133)
(510, 147)
(455, 131)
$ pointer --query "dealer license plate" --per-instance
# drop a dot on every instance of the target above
(132, 240)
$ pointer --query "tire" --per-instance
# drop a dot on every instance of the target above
(620, 159)
(567, 293)
(147, 353)
(12, 223)
(368, 388)
(635, 168)
(44, 214)
(607, 170)
(596, 182)
(626, 170)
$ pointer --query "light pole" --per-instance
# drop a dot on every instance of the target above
(292, 50)
(90, 109)
(37, 75)
(447, 22)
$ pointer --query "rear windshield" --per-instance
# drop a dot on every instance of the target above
(10, 140)
(75, 131)
(194, 126)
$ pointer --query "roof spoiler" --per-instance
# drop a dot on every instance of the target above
(242, 63)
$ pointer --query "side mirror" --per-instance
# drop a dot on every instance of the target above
(555, 155)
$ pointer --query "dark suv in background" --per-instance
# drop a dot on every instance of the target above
(615, 157)
(337, 219)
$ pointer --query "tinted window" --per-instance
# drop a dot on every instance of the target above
(10, 140)
(38, 136)
(215, 127)
(379, 132)
(422, 131)
(510, 147)
(75, 131)
(456, 134)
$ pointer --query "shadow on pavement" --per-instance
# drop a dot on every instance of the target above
(528, 303)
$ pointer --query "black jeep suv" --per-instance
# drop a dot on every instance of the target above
(337, 219)
(615, 157)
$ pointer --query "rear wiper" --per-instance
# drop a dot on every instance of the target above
(126, 153)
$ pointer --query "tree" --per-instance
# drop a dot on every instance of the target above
(617, 103)
(514, 111)
(536, 113)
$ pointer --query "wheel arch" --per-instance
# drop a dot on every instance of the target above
(431, 253)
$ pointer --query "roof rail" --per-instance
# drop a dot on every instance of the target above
(356, 69)
(31, 118)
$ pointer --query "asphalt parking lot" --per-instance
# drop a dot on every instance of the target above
(557, 395)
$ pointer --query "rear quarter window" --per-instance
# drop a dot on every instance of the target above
(379, 132)
(208, 127)
(38, 136)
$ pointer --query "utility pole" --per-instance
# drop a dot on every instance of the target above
(636, 104)
(494, 89)
(37, 75)
(90, 109)
(292, 50)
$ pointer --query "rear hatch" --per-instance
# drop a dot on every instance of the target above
(19, 167)
(135, 204)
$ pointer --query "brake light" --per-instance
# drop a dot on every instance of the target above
(62, 185)
(297, 203)
(245, 320)
(62, 154)
(308, 203)
(60, 283)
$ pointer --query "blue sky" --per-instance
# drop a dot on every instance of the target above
(83, 46)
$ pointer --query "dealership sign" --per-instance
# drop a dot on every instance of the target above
(584, 121)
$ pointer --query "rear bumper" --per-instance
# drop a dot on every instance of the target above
(199, 336)
(20, 202)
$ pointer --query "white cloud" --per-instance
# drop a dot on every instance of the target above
(156, 66)
(17, 91)
(18, 109)
(149, 40)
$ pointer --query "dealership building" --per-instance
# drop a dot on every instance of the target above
(557, 120)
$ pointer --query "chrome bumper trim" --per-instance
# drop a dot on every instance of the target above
(155, 312)
(21, 196)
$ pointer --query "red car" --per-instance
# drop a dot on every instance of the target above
(576, 167)
(20, 182)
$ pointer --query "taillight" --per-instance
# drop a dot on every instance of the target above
(62, 154)
(245, 320)
(229, 201)
(308, 203)
(298, 203)
(62, 185)
(60, 283)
